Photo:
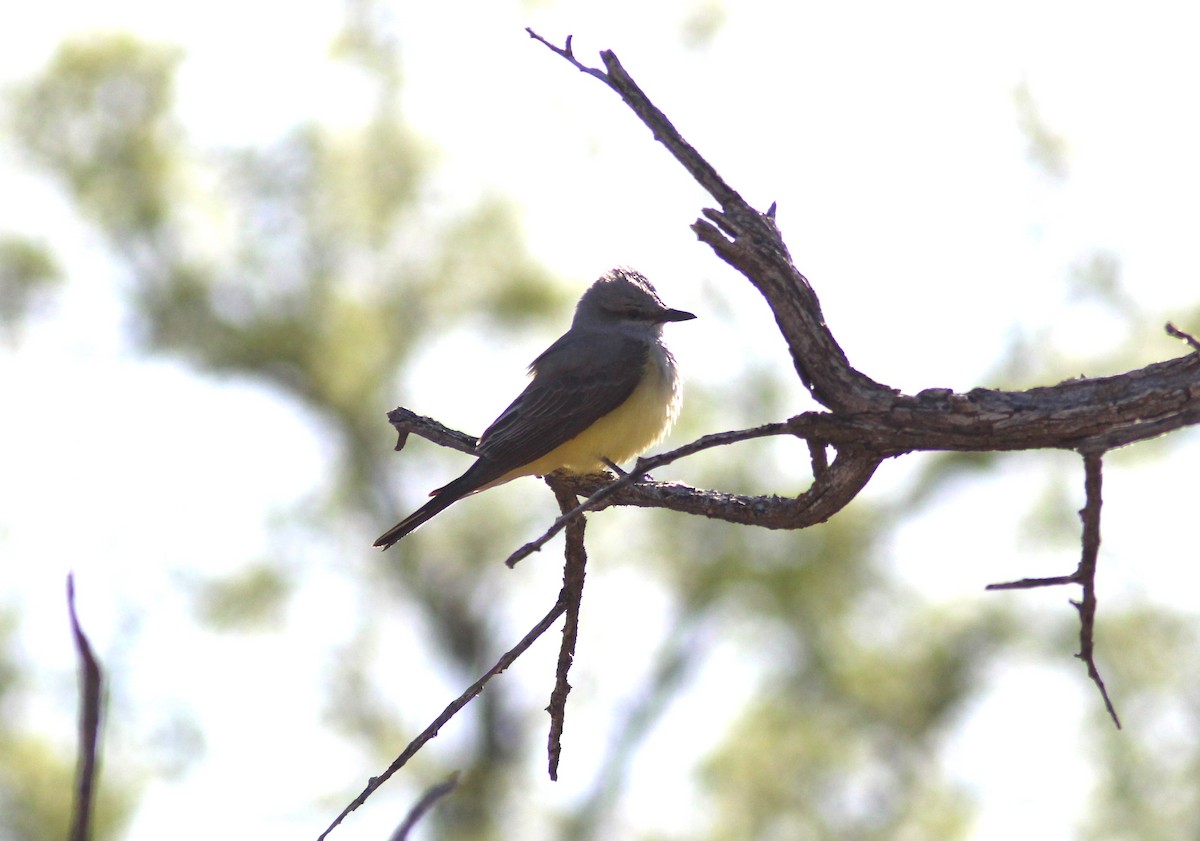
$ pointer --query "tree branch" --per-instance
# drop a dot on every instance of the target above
(1097, 413)
(606, 492)
(574, 569)
(1093, 469)
(1086, 413)
(870, 421)
(1084, 575)
(755, 247)
(90, 683)
(406, 422)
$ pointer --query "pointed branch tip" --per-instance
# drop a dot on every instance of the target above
(1172, 330)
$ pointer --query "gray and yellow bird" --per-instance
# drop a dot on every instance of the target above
(606, 391)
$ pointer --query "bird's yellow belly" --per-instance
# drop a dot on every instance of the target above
(627, 431)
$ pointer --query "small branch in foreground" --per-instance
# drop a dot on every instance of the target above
(574, 570)
(1084, 575)
(90, 682)
(430, 797)
(461, 701)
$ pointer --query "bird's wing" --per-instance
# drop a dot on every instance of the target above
(577, 381)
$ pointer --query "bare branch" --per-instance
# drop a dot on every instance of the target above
(574, 569)
(665, 133)
(1093, 469)
(1084, 575)
(869, 421)
(750, 241)
(566, 52)
(836, 488)
(608, 489)
(1032, 583)
(90, 683)
(405, 422)
(1172, 330)
(1097, 413)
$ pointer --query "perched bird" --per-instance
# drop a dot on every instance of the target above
(603, 393)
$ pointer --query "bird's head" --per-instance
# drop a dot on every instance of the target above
(625, 295)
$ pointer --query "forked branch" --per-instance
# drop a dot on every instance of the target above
(872, 421)
(1084, 575)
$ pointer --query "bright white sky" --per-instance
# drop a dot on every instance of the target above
(888, 135)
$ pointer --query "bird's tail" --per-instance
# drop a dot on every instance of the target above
(476, 478)
(436, 505)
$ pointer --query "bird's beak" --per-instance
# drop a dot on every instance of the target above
(675, 315)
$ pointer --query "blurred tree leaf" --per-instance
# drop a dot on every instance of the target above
(1148, 772)
(703, 20)
(1047, 150)
(304, 265)
(99, 118)
(28, 271)
(36, 781)
(252, 597)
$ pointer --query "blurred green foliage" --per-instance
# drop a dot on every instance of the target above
(100, 119)
(254, 596)
(1149, 790)
(28, 272)
(1047, 150)
(317, 290)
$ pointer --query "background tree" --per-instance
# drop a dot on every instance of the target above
(325, 268)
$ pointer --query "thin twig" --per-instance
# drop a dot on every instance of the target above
(461, 701)
(644, 466)
(569, 54)
(616, 78)
(433, 795)
(1172, 330)
(1084, 575)
(90, 680)
(405, 421)
(1093, 471)
(574, 570)
(1031, 583)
